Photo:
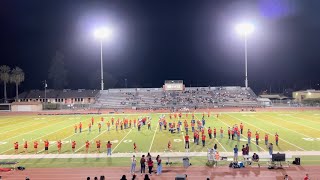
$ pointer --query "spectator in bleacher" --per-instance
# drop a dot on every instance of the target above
(88, 178)
(95, 178)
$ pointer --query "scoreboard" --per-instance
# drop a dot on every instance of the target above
(173, 85)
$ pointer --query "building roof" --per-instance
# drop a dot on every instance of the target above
(273, 96)
(307, 91)
(66, 93)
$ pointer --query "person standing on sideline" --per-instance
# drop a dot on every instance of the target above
(249, 136)
(87, 146)
(215, 147)
(257, 138)
(80, 127)
(235, 153)
(186, 138)
(108, 125)
(89, 126)
(277, 139)
(133, 164)
(109, 148)
(159, 165)
(35, 146)
(247, 149)
(16, 147)
(169, 146)
(150, 165)
(98, 142)
(241, 128)
(99, 126)
(221, 133)
(270, 148)
(266, 139)
(46, 146)
(203, 140)
(73, 146)
(59, 144)
(210, 132)
(143, 165)
(229, 132)
(134, 147)
(25, 147)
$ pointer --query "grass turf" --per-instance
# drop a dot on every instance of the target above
(298, 131)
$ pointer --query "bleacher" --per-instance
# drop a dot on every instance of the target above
(191, 97)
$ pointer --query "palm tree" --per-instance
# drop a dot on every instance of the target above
(5, 78)
(17, 77)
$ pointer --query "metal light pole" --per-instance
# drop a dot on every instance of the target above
(45, 91)
(102, 84)
(246, 60)
(245, 29)
(101, 34)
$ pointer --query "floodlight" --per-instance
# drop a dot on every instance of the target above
(245, 28)
(103, 33)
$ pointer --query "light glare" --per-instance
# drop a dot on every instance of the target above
(245, 28)
(103, 33)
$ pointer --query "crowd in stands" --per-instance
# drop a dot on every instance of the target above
(207, 97)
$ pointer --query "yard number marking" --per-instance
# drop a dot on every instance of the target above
(127, 141)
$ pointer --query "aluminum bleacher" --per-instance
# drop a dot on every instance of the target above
(191, 97)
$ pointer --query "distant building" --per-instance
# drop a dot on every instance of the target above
(66, 96)
(306, 95)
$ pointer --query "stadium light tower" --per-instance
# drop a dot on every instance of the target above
(245, 29)
(102, 34)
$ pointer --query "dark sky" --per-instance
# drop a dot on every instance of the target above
(194, 41)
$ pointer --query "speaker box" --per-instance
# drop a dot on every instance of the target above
(297, 160)
(181, 177)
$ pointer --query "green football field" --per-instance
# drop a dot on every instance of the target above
(298, 131)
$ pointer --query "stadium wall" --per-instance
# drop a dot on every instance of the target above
(26, 107)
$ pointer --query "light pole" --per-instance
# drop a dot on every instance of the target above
(102, 34)
(245, 29)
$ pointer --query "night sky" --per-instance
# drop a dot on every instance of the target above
(153, 41)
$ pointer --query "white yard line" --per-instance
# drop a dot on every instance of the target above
(154, 135)
(281, 126)
(267, 132)
(91, 140)
(293, 122)
(242, 135)
(216, 139)
(305, 119)
(34, 130)
(29, 124)
(63, 139)
(41, 136)
(121, 141)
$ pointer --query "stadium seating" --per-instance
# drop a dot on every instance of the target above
(191, 97)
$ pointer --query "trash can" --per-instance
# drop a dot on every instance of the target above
(186, 162)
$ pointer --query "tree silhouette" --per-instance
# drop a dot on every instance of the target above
(17, 77)
(5, 78)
